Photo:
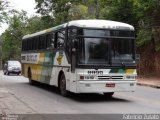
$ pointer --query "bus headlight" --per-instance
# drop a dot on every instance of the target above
(87, 77)
(92, 77)
(130, 77)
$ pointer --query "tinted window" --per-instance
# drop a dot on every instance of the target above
(105, 33)
(52, 41)
(72, 32)
(122, 49)
(60, 39)
(93, 51)
(96, 33)
(122, 33)
(42, 42)
(48, 39)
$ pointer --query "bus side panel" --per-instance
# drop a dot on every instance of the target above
(46, 69)
(24, 70)
(54, 76)
(60, 64)
(40, 64)
(73, 82)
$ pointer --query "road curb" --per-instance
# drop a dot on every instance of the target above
(149, 85)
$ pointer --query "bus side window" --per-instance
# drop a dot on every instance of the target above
(41, 42)
(48, 38)
(32, 44)
(23, 45)
(44, 42)
(28, 44)
(36, 43)
(52, 40)
(60, 39)
(71, 34)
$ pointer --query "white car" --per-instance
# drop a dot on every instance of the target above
(12, 67)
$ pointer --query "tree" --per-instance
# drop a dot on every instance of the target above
(3, 11)
(12, 36)
(20, 25)
(58, 10)
(78, 12)
(119, 10)
(149, 22)
(36, 24)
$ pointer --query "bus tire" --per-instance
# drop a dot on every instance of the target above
(31, 82)
(62, 86)
(109, 94)
(7, 73)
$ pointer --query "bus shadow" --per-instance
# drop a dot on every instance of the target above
(87, 97)
(95, 97)
(46, 87)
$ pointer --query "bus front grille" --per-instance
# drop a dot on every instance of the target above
(110, 77)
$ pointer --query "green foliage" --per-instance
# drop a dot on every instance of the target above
(148, 16)
(57, 9)
(78, 12)
(36, 24)
(144, 37)
(120, 10)
(12, 36)
(3, 11)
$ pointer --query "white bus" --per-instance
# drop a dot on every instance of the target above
(82, 56)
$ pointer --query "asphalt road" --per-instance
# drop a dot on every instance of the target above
(18, 97)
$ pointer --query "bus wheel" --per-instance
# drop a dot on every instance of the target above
(62, 86)
(7, 73)
(108, 95)
(31, 82)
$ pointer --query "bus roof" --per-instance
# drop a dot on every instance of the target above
(105, 24)
(100, 24)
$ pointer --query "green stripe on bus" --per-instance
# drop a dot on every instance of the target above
(47, 67)
(122, 71)
(113, 71)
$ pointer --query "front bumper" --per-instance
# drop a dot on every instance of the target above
(100, 86)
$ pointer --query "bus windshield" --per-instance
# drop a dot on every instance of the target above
(122, 50)
(100, 46)
(93, 51)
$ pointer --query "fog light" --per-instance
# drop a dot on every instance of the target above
(130, 77)
(86, 77)
(91, 77)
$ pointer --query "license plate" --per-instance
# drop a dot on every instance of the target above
(110, 84)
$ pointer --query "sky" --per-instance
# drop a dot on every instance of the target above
(26, 5)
